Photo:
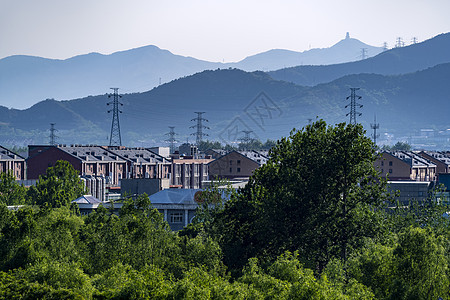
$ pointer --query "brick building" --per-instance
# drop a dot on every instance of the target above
(236, 164)
(87, 160)
(405, 165)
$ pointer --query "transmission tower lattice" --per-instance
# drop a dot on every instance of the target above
(363, 53)
(375, 126)
(171, 139)
(52, 134)
(199, 134)
(353, 105)
(399, 43)
(385, 46)
(115, 139)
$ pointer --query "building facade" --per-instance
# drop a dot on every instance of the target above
(14, 163)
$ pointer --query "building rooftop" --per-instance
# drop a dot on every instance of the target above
(91, 153)
(139, 155)
(6, 154)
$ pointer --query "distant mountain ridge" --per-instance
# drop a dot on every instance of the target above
(230, 99)
(396, 61)
(346, 50)
(26, 80)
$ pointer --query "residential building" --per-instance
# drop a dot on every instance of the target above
(143, 163)
(189, 172)
(407, 191)
(404, 165)
(236, 164)
(12, 162)
(440, 159)
(87, 160)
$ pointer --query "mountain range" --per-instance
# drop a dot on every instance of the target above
(235, 101)
(26, 80)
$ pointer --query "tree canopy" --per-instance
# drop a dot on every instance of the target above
(317, 194)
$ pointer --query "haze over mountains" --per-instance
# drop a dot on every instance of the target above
(235, 100)
(26, 80)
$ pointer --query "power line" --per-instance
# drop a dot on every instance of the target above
(353, 105)
(199, 134)
(115, 139)
(171, 138)
(52, 134)
(375, 126)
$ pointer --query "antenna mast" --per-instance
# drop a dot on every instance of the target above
(375, 126)
(115, 139)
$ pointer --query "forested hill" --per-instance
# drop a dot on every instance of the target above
(230, 99)
(395, 61)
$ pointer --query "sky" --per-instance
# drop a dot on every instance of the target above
(225, 31)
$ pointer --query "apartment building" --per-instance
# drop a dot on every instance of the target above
(405, 165)
(12, 162)
(189, 172)
(87, 160)
(236, 164)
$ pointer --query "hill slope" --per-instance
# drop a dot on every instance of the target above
(395, 61)
(232, 101)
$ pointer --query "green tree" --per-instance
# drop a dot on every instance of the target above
(58, 187)
(11, 193)
(317, 194)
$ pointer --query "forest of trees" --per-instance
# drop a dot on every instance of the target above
(312, 223)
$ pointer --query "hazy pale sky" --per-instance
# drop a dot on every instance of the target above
(212, 30)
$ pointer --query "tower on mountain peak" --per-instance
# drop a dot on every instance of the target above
(347, 36)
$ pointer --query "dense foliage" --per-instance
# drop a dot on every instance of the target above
(309, 225)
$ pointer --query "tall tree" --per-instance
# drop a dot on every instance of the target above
(316, 194)
(11, 193)
(58, 187)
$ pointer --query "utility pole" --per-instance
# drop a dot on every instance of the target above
(52, 134)
(199, 134)
(171, 139)
(375, 126)
(363, 53)
(115, 139)
(353, 105)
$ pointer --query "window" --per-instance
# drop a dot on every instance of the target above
(382, 163)
(390, 171)
(238, 161)
(176, 217)
(390, 163)
(239, 170)
(231, 170)
(231, 162)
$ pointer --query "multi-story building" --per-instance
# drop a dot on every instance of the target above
(143, 163)
(236, 164)
(87, 160)
(189, 172)
(440, 159)
(405, 165)
(12, 162)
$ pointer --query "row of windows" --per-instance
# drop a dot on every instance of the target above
(238, 162)
(382, 171)
(238, 170)
(390, 163)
